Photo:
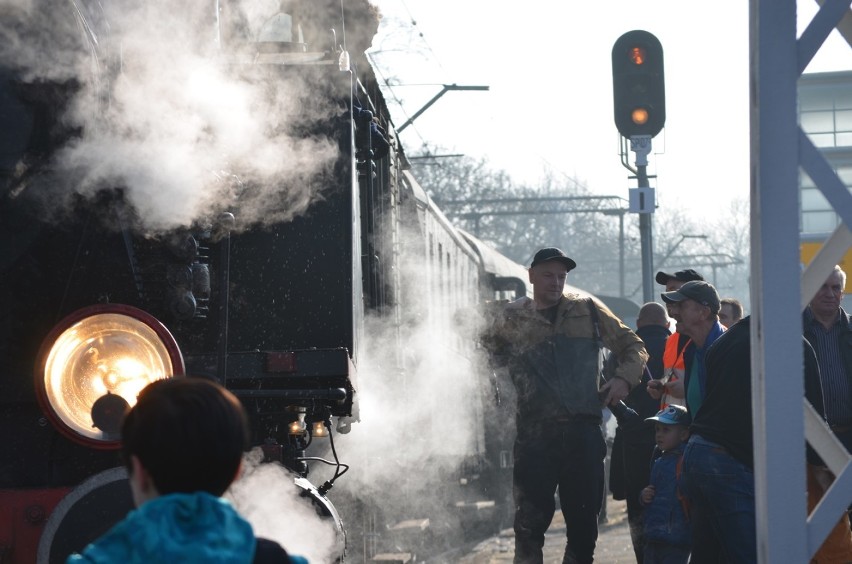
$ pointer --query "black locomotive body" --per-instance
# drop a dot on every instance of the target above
(266, 290)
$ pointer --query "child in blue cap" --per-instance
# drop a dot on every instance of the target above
(667, 533)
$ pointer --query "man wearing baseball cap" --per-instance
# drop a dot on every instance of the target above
(551, 344)
(695, 306)
(669, 389)
(681, 277)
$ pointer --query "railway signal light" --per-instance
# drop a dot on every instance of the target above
(638, 84)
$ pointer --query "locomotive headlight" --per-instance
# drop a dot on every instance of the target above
(297, 427)
(319, 429)
(95, 362)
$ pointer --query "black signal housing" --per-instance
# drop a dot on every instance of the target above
(638, 84)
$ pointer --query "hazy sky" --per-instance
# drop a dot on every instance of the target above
(549, 70)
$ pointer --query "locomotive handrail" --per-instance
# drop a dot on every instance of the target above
(332, 394)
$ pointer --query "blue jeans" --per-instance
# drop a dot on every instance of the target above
(568, 456)
(720, 490)
(661, 553)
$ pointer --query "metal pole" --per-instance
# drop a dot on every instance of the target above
(444, 90)
(621, 254)
(641, 145)
(646, 237)
(776, 336)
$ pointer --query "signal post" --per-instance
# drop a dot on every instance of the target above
(639, 103)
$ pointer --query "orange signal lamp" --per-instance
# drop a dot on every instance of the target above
(637, 55)
(639, 116)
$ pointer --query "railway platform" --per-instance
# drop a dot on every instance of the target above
(613, 545)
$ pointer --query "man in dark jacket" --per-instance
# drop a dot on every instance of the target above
(552, 344)
(718, 463)
(634, 441)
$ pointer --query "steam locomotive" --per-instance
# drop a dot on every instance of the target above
(268, 267)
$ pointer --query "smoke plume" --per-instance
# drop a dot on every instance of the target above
(167, 108)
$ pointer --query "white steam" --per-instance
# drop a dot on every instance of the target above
(422, 408)
(168, 116)
(265, 494)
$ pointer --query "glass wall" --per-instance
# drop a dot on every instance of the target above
(825, 114)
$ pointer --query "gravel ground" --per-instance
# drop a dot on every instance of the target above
(613, 542)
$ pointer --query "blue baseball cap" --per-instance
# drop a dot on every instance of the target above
(672, 415)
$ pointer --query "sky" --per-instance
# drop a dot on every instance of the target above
(549, 72)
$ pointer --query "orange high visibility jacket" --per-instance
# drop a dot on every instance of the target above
(673, 365)
(673, 355)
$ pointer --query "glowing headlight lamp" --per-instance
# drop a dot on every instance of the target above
(94, 363)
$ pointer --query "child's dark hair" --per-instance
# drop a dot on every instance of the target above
(188, 433)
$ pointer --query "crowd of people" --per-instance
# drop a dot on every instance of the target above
(684, 461)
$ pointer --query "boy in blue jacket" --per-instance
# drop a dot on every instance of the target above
(667, 533)
(183, 444)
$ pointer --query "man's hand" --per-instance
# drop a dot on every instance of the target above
(675, 388)
(616, 390)
(655, 389)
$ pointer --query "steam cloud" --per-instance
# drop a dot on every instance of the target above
(165, 114)
(267, 497)
(423, 410)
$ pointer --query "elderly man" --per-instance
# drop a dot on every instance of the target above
(695, 307)
(551, 344)
(826, 327)
(668, 388)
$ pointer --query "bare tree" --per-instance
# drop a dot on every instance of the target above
(517, 218)
(561, 211)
